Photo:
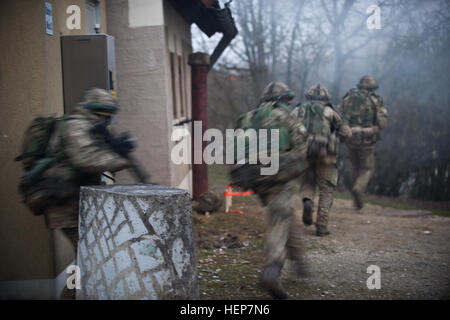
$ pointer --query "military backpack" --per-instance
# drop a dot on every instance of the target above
(360, 112)
(248, 175)
(321, 140)
(35, 158)
(260, 118)
(358, 109)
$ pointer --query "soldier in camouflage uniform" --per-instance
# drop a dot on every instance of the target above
(365, 113)
(324, 125)
(275, 192)
(81, 157)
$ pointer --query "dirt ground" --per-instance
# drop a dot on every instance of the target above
(412, 252)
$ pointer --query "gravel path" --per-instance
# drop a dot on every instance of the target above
(413, 254)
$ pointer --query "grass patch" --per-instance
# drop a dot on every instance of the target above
(219, 179)
(218, 176)
(394, 203)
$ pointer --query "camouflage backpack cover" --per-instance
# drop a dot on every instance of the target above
(35, 158)
(358, 108)
(360, 112)
(261, 118)
(317, 128)
(248, 176)
(313, 118)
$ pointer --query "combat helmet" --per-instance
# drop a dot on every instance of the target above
(368, 83)
(276, 91)
(318, 92)
(99, 101)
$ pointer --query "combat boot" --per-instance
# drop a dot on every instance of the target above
(270, 281)
(308, 208)
(359, 198)
(322, 231)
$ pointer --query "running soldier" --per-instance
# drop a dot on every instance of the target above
(276, 191)
(75, 154)
(324, 126)
(365, 113)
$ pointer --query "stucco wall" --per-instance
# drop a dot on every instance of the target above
(30, 86)
(142, 32)
(178, 34)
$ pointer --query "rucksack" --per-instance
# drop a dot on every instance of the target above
(261, 118)
(358, 109)
(318, 130)
(314, 119)
(36, 141)
(35, 157)
(248, 176)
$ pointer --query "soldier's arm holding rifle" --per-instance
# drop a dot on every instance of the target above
(123, 145)
(89, 151)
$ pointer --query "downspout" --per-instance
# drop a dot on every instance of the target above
(199, 63)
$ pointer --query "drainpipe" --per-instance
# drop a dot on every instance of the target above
(227, 27)
(199, 63)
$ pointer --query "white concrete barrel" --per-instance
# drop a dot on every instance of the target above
(136, 242)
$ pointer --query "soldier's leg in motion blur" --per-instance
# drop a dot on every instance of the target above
(363, 164)
(294, 246)
(65, 218)
(307, 190)
(280, 239)
(326, 175)
(72, 235)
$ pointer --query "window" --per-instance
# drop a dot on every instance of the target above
(179, 78)
(174, 95)
(181, 86)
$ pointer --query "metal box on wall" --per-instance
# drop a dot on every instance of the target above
(88, 61)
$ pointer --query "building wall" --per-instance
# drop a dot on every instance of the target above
(178, 36)
(30, 86)
(145, 33)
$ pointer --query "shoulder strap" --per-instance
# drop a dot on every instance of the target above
(61, 123)
(374, 107)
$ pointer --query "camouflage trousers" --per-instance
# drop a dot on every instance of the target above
(363, 164)
(284, 226)
(324, 176)
(62, 216)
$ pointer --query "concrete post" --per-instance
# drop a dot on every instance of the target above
(199, 63)
(136, 242)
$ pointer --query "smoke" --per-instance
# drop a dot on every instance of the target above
(303, 43)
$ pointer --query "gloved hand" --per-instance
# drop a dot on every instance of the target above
(317, 147)
(376, 130)
(123, 144)
(370, 135)
(357, 136)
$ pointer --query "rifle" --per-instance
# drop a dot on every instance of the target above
(122, 145)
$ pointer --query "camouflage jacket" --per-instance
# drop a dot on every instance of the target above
(365, 113)
(81, 156)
